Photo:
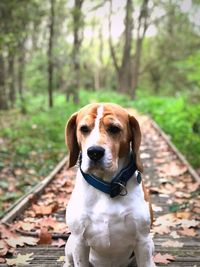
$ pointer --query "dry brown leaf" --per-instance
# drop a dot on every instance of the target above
(20, 260)
(188, 232)
(53, 224)
(184, 215)
(192, 187)
(3, 248)
(172, 244)
(6, 231)
(17, 240)
(61, 259)
(174, 234)
(181, 194)
(163, 258)
(45, 237)
(44, 210)
(167, 217)
(172, 169)
(161, 229)
(2, 260)
(26, 226)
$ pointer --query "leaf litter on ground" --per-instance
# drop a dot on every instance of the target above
(174, 183)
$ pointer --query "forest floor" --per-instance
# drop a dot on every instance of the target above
(36, 237)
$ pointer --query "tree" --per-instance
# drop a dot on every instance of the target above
(50, 52)
(78, 37)
(128, 69)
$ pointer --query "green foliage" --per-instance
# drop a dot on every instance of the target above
(35, 142)
(36, 73)
(178, 118)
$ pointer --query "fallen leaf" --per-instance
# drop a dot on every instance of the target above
(2, 260)
(192, 187)
(161, 229)
(44, 210)
(188, 232)
(20, 260)
(174, 234)
(26, 226)
(181, 194)
(188, 223)
(61, 259)
(45, 237)
(145, 155)
(156, 208)
(172, 169)
(171, 217)
(17, 240)
(5, 231)
(163, 258)
(52, 223)
(172, 244)
(184, 214)
(3, 248)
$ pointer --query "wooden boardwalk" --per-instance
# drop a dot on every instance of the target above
(156, 151)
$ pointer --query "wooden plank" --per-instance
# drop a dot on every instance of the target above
(176, 151)
(24, 202)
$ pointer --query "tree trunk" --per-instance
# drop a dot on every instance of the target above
(21, 69)
(135, 68)
(124, 69)
(77, 27)
(11, 78)
(3, 98)
(50, 53)
(128, 70)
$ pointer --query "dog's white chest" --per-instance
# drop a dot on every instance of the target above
(108, 224)
(110, 232)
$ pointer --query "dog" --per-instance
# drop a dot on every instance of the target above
(109, 214)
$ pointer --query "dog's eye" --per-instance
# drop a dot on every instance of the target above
(113, 129)
(84, 129)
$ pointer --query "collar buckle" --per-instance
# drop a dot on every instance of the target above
(118, 188)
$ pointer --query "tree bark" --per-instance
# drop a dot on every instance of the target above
(11, 78)
(78, 37)
(128, 71)
(50, 53)
(20, 75)
(3, 98)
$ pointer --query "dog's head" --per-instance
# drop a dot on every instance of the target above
(104, 133)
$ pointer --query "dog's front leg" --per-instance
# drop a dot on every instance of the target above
(144, 252)
(76, 252)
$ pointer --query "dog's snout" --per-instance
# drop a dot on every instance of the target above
(95, 153)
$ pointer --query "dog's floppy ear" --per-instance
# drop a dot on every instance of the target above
(71, 140)
(135, 140)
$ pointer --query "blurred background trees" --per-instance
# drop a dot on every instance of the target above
(127, 45)
(58, 55)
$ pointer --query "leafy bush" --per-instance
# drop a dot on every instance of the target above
(179, 119)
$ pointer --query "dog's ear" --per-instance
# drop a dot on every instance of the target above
(135, 140)
(71, 140)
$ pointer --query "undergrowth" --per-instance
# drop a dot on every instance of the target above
(32, 144)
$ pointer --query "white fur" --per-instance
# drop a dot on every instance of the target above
(105, 231)
(92, 139)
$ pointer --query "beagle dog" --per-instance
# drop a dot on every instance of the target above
(109, 214)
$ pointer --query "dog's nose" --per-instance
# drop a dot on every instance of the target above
(95, 153)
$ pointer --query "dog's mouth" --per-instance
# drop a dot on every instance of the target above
(103, 169)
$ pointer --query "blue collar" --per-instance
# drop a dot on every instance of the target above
(118, 184)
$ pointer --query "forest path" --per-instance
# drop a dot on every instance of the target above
(174, 192)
